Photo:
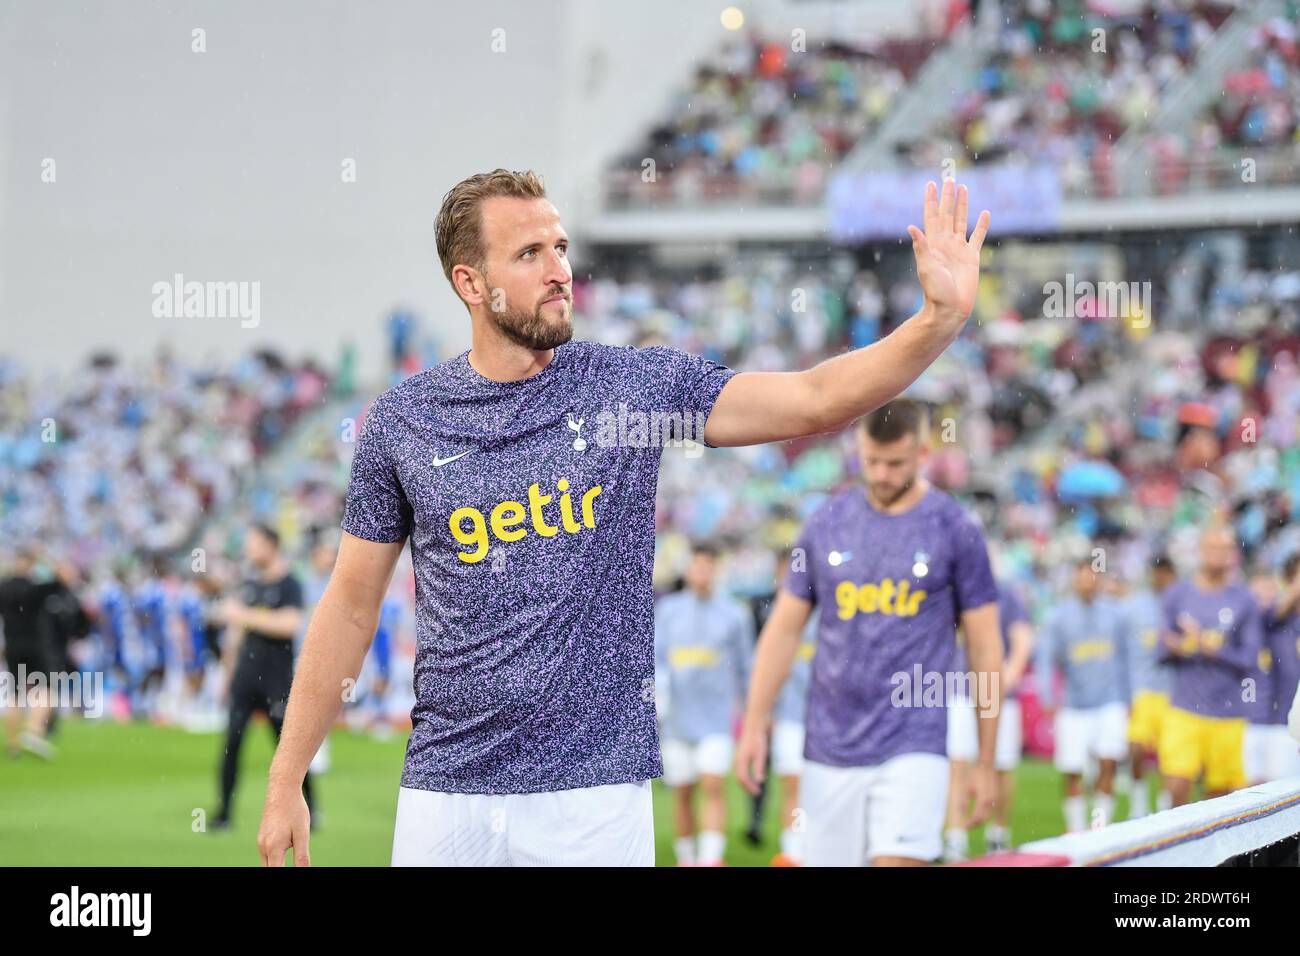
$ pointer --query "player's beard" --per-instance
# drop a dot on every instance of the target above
(533, 330)
(885, 496)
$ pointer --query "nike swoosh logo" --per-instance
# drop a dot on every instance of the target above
(439, 462)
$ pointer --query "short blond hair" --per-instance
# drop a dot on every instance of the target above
(458, 229)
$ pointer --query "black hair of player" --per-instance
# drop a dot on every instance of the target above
(269, 533)
(895, 420)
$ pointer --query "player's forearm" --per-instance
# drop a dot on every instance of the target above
(855, 383)
(773, 659)
(1240, 658)
(1286, 602)
(332, 653)
(985, 654)
(230, 647)
(280, 623)
(1022, 652)
(1015, 669)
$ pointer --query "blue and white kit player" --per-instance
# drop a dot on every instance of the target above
(704, 645)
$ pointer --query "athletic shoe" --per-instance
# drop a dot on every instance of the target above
(782, 860)
(38, 746)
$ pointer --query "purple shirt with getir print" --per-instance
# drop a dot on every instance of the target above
(530, 512)
(889, 591)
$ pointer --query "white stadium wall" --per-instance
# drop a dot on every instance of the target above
(226, 165)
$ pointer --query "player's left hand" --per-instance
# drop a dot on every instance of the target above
(751, 759)
(947, 263)
(1190, 642)
(981, 792)
(286, 825)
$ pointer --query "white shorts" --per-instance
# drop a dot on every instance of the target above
(1270, 753)
(787, 749)
(1100, 732)
(611, 825)
(685, 762)
(853, 814)
(963, 734)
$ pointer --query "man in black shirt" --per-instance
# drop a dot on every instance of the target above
(65, 621)
(26, 648)
(262, 624)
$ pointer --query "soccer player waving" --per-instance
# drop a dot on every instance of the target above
(531, 531)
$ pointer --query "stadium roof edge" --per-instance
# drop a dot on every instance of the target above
(1240, 207)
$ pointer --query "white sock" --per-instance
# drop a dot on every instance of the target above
(711, 845)
(994, 833)
(1076, 814)
(1123, 778)
(685, 847)
(1103, 807)
(956, 843)
(792, 845)
(1139, 804)
(1164, 799)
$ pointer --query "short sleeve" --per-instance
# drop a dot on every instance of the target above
(973, 575)
(291, 592)
(687, 383)
(376, 507)
(1015, 610)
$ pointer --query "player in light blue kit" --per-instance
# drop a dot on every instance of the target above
(704, 644)
(788, 719)
(1084, 635)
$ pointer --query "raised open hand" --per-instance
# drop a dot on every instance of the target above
(947, 263)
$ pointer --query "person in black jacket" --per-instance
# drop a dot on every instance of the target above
(64, 620)
(27, 653)
(262, 623)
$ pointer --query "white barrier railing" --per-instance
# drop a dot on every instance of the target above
(1199, 834)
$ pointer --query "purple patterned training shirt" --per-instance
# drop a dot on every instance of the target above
(530, 509)
(889, 591)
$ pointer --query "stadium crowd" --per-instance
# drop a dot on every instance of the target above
(761, 121)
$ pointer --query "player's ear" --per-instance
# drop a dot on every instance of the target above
(469, 284)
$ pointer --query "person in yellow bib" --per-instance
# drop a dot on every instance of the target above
(1150, 681)
(1213, 634)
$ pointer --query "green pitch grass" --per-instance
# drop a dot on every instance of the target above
(140, 795)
